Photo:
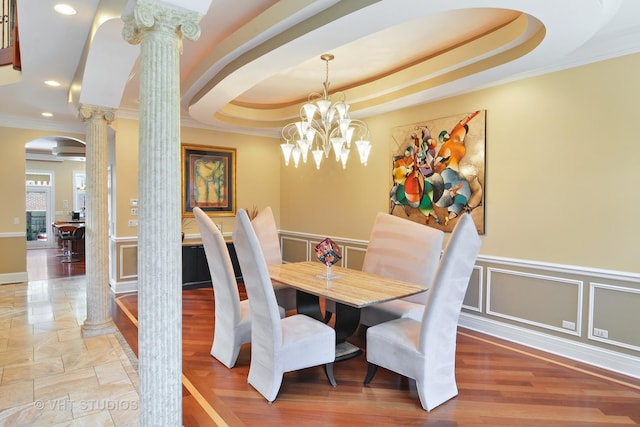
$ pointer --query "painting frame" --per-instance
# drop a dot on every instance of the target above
(214, 190)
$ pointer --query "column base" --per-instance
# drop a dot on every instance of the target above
(93, 329)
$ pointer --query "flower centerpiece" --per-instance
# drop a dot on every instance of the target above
(328, 253)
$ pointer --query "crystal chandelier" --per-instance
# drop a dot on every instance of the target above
(324, 126)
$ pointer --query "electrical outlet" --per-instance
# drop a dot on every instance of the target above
(602, 333)
(133, 223)
(134, 211)
(568, 325)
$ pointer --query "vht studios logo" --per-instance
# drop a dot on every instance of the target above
(87, 405)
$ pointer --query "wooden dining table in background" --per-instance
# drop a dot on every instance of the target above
(350, 289)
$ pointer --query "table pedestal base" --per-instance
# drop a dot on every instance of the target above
(346, 350)
(347, 320)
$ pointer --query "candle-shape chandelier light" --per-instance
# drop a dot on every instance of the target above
(324, 126)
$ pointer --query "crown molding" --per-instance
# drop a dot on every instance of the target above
(42, 124)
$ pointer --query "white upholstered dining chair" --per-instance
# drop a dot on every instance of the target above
(426, 350)
(404, 250)
(232, 326)
(265, 228)
(277, 345)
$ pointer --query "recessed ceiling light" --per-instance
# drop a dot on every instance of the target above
(64, 9)
(52, 83)
(47, 115)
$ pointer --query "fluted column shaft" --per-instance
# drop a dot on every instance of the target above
(98, 319)
(159, 31)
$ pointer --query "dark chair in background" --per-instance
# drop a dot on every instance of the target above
(63, 233)
(75, 245)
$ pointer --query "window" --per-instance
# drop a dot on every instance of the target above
(79, 191)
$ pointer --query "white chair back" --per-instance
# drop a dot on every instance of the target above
(404, 250)
(264, 225)
(221, 269)
(266, 331)
(228, 314)
(444, 299)
(277, 345)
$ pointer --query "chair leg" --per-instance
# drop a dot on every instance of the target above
(70, 254)
(327, 316)
(370, 373)
(65, 249)
(328, 369)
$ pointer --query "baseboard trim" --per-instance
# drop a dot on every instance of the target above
(7, 278)
(591, 355)
(124, 287)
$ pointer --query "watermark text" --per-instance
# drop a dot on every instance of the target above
(86, 405)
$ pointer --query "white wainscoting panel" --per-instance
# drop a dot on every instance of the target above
(545, 286)
(476, 284)
(626, 302)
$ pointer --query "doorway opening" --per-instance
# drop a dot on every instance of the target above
(39, 209)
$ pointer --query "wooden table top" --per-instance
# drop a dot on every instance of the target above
(352, 287)
(70, 224)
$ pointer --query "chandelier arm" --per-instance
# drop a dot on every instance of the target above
(361, 130)
(321, 131)
(289, 132)
(313, 96)
(321, 136)
(342, 98)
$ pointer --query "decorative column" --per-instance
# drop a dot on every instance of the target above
(159, 30)
(98, 320)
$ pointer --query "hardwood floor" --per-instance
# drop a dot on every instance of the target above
(500, 384)
(43, 264)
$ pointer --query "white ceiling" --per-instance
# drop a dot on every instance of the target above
(257, 60)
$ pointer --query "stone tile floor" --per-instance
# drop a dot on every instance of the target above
(49, 374)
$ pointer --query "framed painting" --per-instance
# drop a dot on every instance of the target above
(438, 170)
(208, 180)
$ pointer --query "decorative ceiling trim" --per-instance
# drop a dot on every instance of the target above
(499, 46)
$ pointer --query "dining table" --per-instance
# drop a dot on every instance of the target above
(351, 290)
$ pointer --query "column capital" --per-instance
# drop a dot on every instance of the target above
(148, 14)
(87, 112)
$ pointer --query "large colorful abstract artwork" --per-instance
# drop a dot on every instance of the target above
(438, 170)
